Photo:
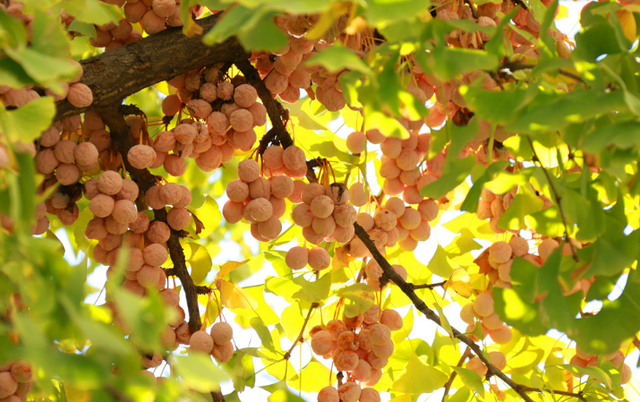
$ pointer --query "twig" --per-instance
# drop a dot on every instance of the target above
(278, 134)
(428, 286)
(472, 6)
(578, 395)
(556, 197)
(300, 337)
(217, 396)
(447, 386)
(122, 141)
(516, 65)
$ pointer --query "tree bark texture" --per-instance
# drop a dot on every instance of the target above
(118, 73)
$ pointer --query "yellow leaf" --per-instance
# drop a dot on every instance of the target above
(228, 267)
(628, 23)
(460, 282)
(327, 19)
(232, 296)
(418, 378)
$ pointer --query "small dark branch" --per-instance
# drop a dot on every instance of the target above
(278, 134)
(300, 337)
(447, 386)
(516, 65)
(122, 141)
(180, 267)
(217, 396)
(392, 275)
(578, 395)
(472, 6)
(636, 342)
(313, 163)
(556, 197)
(428, 286)
(118, 73)
(171, 272)
(203, 290)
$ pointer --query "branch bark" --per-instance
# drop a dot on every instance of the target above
(280, 135)
(122, 141)
(118, 73)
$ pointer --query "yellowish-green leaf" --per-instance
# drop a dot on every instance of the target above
(232, 296)
(418, 378)
(228, 267)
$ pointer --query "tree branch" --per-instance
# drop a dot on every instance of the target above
(447, 386)
(300, 337)
(122, 141)
(556, 197)
(118, 73)
(217, 396)
(278, 134)
(428, 286)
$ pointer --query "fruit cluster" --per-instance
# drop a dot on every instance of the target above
(360, 346)
(16, 379)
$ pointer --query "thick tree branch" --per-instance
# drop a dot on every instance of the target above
(118, 73)
(122, 141)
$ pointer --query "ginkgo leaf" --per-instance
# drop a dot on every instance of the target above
(232, 296)
(418, 377)
(460, 282)
(228, 267)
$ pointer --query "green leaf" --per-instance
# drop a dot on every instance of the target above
(20, 124)
(471, 379)
(458, 170)
(525, 203)
(278, 263)
(473, 197)
(12, 31)
(49, 37)
(198, 372)
(451, 61)
(93, 11)
(381, 13)
(307, 379)
(337, 58)
(357, 300)
(441, 264)
(594, 372)
(299, 288)
(200, 262)
(264, 35)
(495, 107)
(209, 214)
(41, 67)
(553, 112)
(517, 306)
(418, 378)
(595, 40)
(547, 222)
(254, 27)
